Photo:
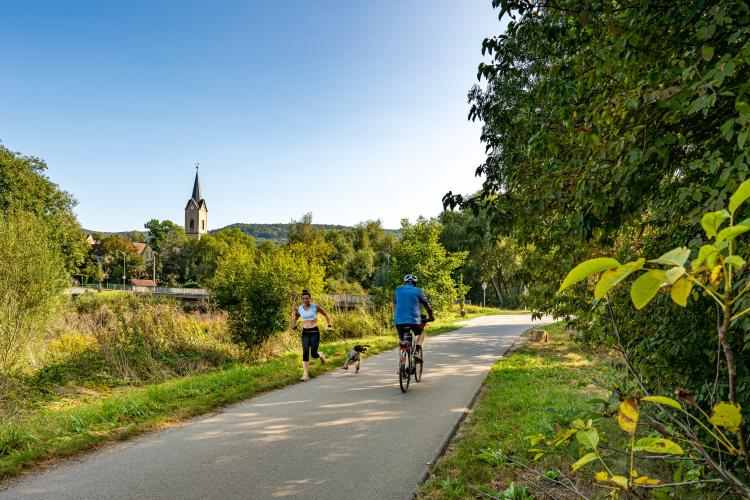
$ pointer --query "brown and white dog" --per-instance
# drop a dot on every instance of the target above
(355, 356)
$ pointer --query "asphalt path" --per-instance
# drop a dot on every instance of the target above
(340, 435)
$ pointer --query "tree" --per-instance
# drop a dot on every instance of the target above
(32, 279)
(25, 188)
(420, 252)
(491, 258)
(160, 233)
(112, 250)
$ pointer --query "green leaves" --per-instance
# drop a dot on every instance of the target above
(676, 257)
(712, 221)
(587, 458)
(707, 53)
(588, 438)
(586, 269)
(646, 286)
(663, 401)
(739, 196)
(612, 277)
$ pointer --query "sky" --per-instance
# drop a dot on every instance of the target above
(352, 111)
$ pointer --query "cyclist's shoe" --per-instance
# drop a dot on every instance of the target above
(418, 354)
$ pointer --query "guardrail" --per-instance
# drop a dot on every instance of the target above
(156, 290)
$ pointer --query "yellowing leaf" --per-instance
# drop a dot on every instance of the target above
(739, 196)
(627, 416)
(646, 286)
(588, 438)
(645, 480)
(534, 440)
(716, 274)
(612, 277)
(676, 257)
(620, 481)
(675, 273)
(663, 401)
(578, 423)
(681, 291)
(538, 456)
(588, 457)
(586, 269)
(658, 445)
(601, 476)
(712, 221)
(727, 414)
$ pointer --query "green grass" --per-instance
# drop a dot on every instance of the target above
(67, 426)
(524, 394)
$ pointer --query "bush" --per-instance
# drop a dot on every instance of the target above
(356, 323)
(32, 279)
(259, 294)
(135, 338)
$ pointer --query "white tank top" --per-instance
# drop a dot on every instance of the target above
(309, 315)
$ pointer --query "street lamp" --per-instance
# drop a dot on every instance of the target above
(484, 294)
(123, 270)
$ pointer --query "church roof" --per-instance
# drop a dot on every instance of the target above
(197, 188)
(196, 200)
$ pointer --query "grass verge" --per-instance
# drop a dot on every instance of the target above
(84, 423)
(524, 394)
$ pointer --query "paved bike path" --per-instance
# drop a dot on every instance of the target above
(341, 435)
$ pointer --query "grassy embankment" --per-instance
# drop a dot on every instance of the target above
(525, 393)
(44, 420)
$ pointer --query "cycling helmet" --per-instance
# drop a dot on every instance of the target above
(410, 278)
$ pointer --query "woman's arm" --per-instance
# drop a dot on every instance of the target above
(325, 314)
(296, 318)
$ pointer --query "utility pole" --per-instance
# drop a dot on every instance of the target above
(153, 262)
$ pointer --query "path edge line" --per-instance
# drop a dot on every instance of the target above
(519, 342)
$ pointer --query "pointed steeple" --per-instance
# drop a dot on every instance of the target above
(197, 187)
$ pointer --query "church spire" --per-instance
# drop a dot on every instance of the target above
(197, 186)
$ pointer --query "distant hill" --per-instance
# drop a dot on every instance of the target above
(277, 233)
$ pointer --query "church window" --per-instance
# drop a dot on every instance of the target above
(192, 223)
(203, 225)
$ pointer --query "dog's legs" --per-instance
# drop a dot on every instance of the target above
(357, 370)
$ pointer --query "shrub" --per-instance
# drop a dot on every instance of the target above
(259, 294)
(32, 278)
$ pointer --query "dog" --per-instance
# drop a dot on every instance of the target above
(355, 356)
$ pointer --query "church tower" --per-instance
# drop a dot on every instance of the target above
(196, 212)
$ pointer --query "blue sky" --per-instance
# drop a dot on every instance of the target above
(349, 110)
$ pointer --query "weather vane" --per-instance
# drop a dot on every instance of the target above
(197, 164)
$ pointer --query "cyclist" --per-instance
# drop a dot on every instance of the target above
(408, 301)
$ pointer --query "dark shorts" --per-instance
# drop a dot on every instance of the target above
(310, 343)
(408, 328)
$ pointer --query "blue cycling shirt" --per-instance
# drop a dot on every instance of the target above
(408, 300)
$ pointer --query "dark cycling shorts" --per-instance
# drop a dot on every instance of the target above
(408, 327)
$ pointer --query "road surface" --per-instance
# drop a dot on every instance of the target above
(340, 435)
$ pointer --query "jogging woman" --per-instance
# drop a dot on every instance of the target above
(308, 312)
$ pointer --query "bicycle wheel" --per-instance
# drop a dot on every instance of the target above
(418, 367)
(404, 370)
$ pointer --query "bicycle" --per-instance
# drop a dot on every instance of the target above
(407, 365)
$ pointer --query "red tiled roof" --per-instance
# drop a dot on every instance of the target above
(139, 282)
